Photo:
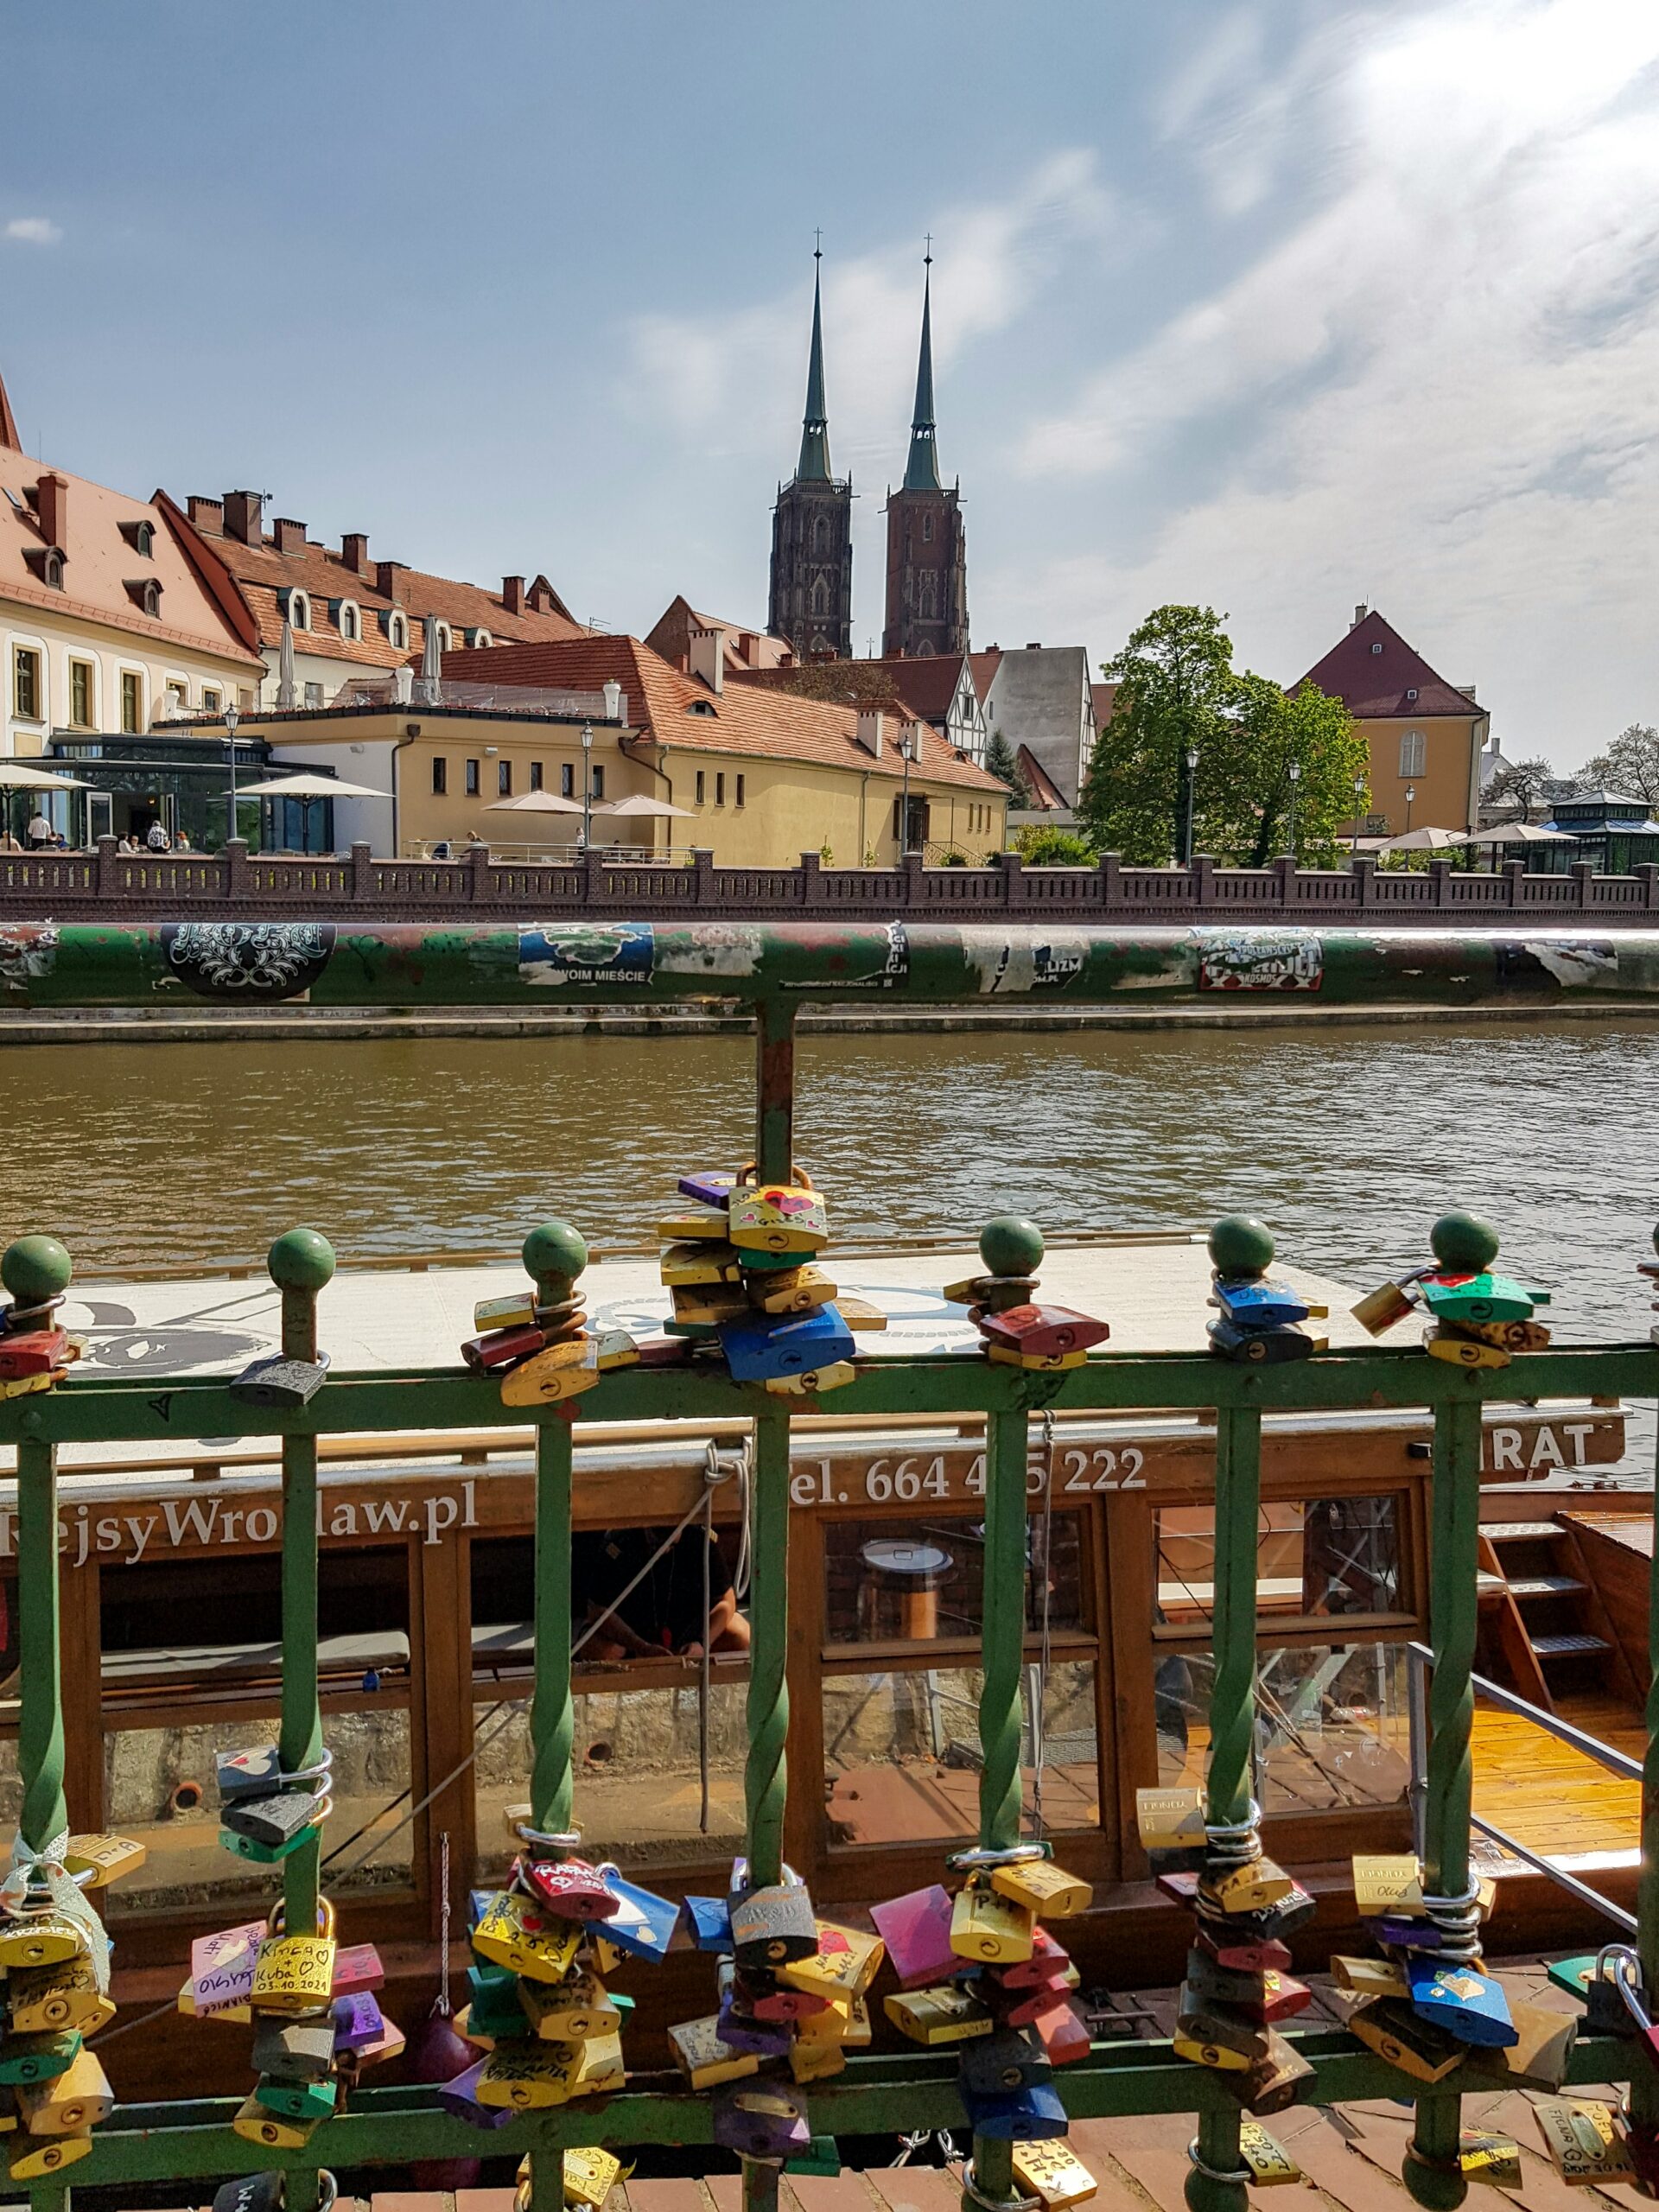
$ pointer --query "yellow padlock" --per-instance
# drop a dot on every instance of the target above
(709, 1304)
(549, 1377)
(815, 1381)
(600, 2068)
(514, 1931)
(1271, 2165)
(1169, 1820)
(704, 2059)
(78, 2098)
(1053, 2172)
(295, 1974)
(566, 2012)
(1487, 2155)
(526, 2077)
(1249, 1888)
(42, 1939)
(778, 1217)
(932, 2017)
(1213, 2055)
(1583, 2141)
(857, 2033)
(1043, 1887)
(108, 1858)
(1364, 1977)
(1461, 1352)
(1387, 1882)
(792, 1290)
(815, 2062)
(685, 1264)
(1053, 1363)
(31, 2157)
(589, 2176)
(1394, 2032)
(989, 1927)
(846, 1962)
(45, 1999)
(276, 2131)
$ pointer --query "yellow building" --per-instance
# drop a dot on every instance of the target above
(755, 776)
(1425, 735)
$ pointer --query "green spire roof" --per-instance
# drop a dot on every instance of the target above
(922, 470)
(813, 467)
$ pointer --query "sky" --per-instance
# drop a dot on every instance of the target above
(1276, 306)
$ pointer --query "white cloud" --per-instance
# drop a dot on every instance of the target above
(1437, 389)
(33, 230)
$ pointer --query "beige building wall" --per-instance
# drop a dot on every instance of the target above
(1447, 785)
(203, 682)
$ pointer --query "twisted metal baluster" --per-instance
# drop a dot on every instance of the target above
(556, 1256)
(1644, 2084)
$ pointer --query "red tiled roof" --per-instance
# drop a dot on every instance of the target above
(1102, 702)
(1045, 791)
(926, 685)
(1373, 685)
(670, 635)
(748, 717)
(8, 422)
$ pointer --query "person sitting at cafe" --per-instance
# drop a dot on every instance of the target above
(158, 841)
(664, 1611)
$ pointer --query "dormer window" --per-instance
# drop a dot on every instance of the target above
(54, 568)
(348, 620)
(701, 707)
(397, 630)
(47, 562)
(141, 536)
(479, 637)
(1411, 692)
(145, 594)
(295, 606)
(1377, 645)
(445, 641)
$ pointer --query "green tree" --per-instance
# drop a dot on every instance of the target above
(1248, 816)
(1049, 847)
(1629, 765)
(1520, 785)
(1003, 763)
(1176, 688)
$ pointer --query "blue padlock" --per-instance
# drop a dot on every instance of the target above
(1255, 1303)
(1033, 2115)
(761, 2119)
(642, 1923)
(711, 1923)
(478, 1903)
(767, 1347)
(1466, 2003)
(758, 2038)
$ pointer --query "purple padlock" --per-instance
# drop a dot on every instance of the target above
(357, 2020)
(916, 1929)
(761, 2119)
(761, 2039)
(460, 2098)
(711, 1188)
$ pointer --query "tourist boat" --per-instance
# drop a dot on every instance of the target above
(172, 1634)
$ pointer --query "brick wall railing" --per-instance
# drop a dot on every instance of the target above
(71, 886)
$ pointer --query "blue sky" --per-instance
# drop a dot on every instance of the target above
(1278, 306)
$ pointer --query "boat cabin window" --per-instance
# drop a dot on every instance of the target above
(901, 1581)
(1314, 1557)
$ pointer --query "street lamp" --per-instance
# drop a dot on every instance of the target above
(1294, 772)
(230, 721)
(1359, 794)
(1190, 757)
(587, 785)
(1411, 793)
(904, 803)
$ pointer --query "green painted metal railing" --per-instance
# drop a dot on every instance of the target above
(193, 2139)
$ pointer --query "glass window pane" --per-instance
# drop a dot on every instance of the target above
(1314, 1557)
(901, 1753)
(1333, 1726)
(887, 1581)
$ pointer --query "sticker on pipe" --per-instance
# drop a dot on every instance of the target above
(731, 950)
(1004, 961)
(27, 951)
(552, 958)
(242, 961)
(1259, 960)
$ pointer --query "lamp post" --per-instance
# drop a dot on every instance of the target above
(1359, 792)
(1411, 793)
(230, 721)
(904, 803)
(587, 785)
(1294, 772)
(1189, 762)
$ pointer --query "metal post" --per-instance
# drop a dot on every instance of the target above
(35, 1269)
(587, 787)
(774, 1091)
(765, 1773)
(231, 719)
(1232, 1728)
(555, 1254)
(1432, 2172)
(1645, 2087)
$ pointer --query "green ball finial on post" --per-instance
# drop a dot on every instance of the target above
(301, 1260)
(1241, 1245)
(555, 1253)
(36, 1269)
(1437, 2188)
(1011, 1245)
(1463, 1244)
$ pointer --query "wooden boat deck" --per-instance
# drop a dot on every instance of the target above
(1550, 1796)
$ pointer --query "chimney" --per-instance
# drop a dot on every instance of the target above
(1034, 645)
(869, 730)
(244, 517)
(512, 594)
(53, 504)
(290, 536)
(392, 581)
(1360, 612)
(355, 551)
(748, 648)
(207, 515)
(708, 657)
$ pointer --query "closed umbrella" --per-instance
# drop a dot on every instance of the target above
(285, 667)
(431, 687)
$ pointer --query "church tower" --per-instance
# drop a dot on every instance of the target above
(810, 601)
(927, 547)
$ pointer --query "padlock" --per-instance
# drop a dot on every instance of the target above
(589, 2175)
(781, 2003)
(1252, 1887)
(458, 2099)
(44, 1999)
(1282, 1997)
(1395, 2032)
(1041, 1886)
(1387, 1883)
(777, 1217)
(295, 1974)
(1214, 2024)
(859, 1313)
(1243, 1955)
(694, 1224)
(1399, 1932)
(643, 1924)
(1043, 1331)
(467, 2029)
(614, 1348)
(1274, 1921)
(278, 1384)
(43, 1939)
(1480, 1298)
(763, 1346)
(1538, 2058)
(1018, 2008)
(297, 2099)
(916, 1929)
(277, 2131)
(31, 1351)
(703, 2058)
(1260, 1347)
(996, 1293)
(551, 1377)
(269, 1854)
(1583, 2139)
(792, 1290)
(1363, 1977)
(710, 1923)
(815, 1381)
(761, 2120)
(1271, 2165)
(993, 2065)
(1486, 2156)
(253, 2193)
(1254, 1302)
(1063, 2032)
(502, 1348)
(1276, 2080)
(772, 1927)
(31, 2159)
(1466, 2003)
(105, 1857)
(932, 2017)
(1047, 1958)
(709, 1304)
(358, 1965)
(856, 2032)
(26, 2060)
(515, 1932)
(516, 1311)
(256, 1773)
(294, 2049)
(1030, 2115)
(221, 1967)
(1059, 1363)
(833, 2024)
(1506, 1336)
(815, 2062)
(761, 2039)
(26, 1385)
(275, 1822)
(527, 2076)
(988, 1928)
(78, 2098)
(1605, 2013)
(357, 2020)
(709, 1187)
(1443, 1341)
(569, 1887)
(1052, 2172)
(566, 2012)
(389, 2043)
(687, 1264)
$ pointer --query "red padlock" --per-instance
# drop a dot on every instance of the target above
(1063, 2032)
(31, 1351)
(1043, 1331)
(1047, 1958)
(501, 1348)
(1266, 1955)
(1019, 2008)
(569, 1887)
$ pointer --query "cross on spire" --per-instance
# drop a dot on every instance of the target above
(813, 467)
(922, 469)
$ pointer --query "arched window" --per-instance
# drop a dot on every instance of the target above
(299, 610)
(444, 640)
(927, 598)
(53, 570)
(821, 534)
(397, 631)
(927, 530)
(480, 638)
(820, 597)
(152, 598)
(143, 539)
(350, 628)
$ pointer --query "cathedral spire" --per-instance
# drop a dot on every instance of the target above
(813, 467)
(922, 470)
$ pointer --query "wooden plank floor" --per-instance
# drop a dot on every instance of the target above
(1550, 1796)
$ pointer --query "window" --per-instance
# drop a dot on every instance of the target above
(152, 598)
(719, 789)
(299, 610)
(471, 780)
(599, 782)
(313, 695)
(479, 639)
(699, 787)
(397, 631)
(440, 775)
(444, 639)
(143, 539)
(821, 534)
(567, 779)
(348, 622)
(820, 597)
(1377, 647)
(535, 775)
(26, 684)
(739, 790)
(80, 694)
(1413, 752)
(503, 780)
(927, 530)
(131, 702)
(178, 694)
(53, 570)
(210, 700)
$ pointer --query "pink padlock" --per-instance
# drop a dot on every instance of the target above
(1047, 1958)
(916, 1929)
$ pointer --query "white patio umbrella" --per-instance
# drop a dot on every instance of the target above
(1521, 833)
(285, 667)
(637, 805)
(431, 687)
(15, 777)
(535, 803)
(303, 787)
(1429, 839)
